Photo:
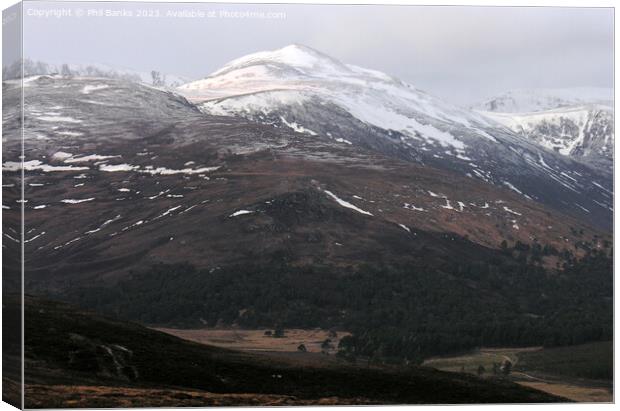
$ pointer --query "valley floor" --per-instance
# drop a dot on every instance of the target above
(557, 371)
(261, 339)
(541, 369)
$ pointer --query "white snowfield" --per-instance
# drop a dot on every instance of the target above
(36, 165)
(154, 170)
(263, 82)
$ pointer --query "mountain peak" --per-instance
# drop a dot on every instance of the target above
(296, 56)
(299, 48)
(302, 55)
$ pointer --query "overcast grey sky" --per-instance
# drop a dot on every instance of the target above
(462, 54)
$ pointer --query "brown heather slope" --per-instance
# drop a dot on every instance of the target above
(77, 396)
(161, 180)
(186, 218)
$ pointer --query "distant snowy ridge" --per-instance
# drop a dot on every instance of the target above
(577, 122)
(36, 68)
(530, 100)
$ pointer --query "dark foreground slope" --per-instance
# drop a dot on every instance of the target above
(76, 358)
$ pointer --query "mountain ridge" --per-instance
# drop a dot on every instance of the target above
(583, 132)
(542, 99)
(92, 70)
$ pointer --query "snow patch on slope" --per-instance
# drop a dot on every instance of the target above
(346, 204)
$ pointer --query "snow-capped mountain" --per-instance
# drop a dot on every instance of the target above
(299, 88)
(529, 100)
(296, 76)
(585, 132)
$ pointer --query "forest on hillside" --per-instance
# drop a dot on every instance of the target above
(396, 313)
